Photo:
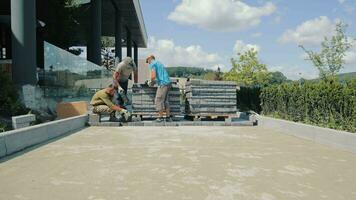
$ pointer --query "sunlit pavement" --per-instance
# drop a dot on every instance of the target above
(179, 163)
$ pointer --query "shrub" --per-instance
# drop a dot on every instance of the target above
(10, 104)
(248, 99)
(327, 103)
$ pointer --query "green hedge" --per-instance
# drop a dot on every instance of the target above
(248, 99)
(326, 103)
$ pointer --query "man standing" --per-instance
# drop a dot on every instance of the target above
(103, 104)
(160, 75)
(121, 78)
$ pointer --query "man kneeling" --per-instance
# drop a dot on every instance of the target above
(102, 103)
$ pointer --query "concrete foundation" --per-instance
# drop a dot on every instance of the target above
(209, 163)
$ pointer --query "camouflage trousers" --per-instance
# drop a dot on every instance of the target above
(103, 109)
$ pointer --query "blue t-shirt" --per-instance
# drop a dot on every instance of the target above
(162, 76)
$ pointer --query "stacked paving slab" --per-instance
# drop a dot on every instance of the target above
(143, 98)
(210, 98)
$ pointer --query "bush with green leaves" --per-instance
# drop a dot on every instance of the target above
(10, 104)
(326, 103)
(248, 99)
(247, 70)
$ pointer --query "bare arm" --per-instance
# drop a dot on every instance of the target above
(116, 76)
(153, 75)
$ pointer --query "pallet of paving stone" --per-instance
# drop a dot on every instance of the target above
(210, 98)
(143, 98)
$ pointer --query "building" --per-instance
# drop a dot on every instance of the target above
(25, 25)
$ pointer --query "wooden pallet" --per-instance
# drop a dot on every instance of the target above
(211, 117)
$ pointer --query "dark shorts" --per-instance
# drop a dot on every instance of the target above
(118, 99)
(162, 97)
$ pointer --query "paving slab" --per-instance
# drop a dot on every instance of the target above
(224, 163)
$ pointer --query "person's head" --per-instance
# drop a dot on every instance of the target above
(150, 58)
(111, 90)
(130, 62)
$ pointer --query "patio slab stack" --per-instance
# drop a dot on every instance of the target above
(210, 98)
(143, 100)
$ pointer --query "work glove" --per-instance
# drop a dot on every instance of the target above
(120, 90)
(150, 83)
(125, 115)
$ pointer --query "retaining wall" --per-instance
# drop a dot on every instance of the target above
(17, 140)
(334, 138)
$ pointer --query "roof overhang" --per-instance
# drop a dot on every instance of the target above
(6, 19)
(131, 15)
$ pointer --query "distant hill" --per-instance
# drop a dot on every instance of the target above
(346, 76)
(185, 72)
(342, 77)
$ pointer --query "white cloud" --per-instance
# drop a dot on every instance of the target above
(173, 55)
(311, 32)
(220, 15)
(241, 47)
(256, 35)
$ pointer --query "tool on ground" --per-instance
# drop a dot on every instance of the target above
(125, 115)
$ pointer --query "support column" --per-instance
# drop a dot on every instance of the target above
(23, 28)
(136, 61)
(118, 36)
(94, 48)
(128, 43)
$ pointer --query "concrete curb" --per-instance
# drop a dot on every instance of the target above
(17, 140)
(334, 138)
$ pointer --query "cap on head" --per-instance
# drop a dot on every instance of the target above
(151, 56)
(129, 61)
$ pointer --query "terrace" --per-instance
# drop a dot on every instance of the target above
(179, 163)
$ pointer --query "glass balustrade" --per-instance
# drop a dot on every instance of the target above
(67, 77)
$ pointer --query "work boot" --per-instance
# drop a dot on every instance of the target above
(159, 119)
(169, 119)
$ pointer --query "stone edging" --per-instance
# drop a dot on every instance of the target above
(17, 140)
(334, 138)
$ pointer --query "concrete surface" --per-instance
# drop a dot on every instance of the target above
(176, 123)
(17, 140)
(210, 163)
(338, 139)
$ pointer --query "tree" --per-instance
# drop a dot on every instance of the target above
(109, 57)
(210, 76)
(107, 42)
(278, 78)
(247, 70)
(330, 60)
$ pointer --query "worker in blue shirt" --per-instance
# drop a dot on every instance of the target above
(160, 75)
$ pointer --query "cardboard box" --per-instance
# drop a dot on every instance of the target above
(66, 110)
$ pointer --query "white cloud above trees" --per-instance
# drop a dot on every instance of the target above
(173, 55)
(311, 32)
(241, 47)
(220, 15)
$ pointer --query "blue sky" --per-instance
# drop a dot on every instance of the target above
(207, 33)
